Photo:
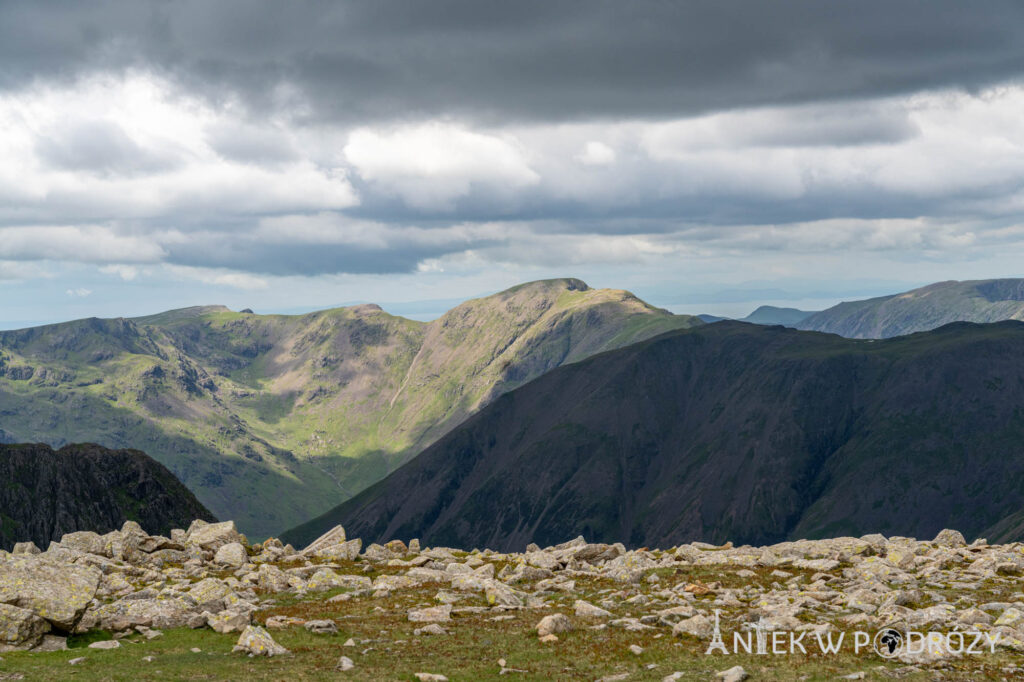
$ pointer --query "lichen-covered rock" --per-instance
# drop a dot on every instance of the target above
(698, 626)
(85, 541)
(256, 641)
(58, 592)
(161, 614)
(229, 620)
(334, 536)
(25, 548)
(272, 579)
(950, 538)
(209, 594)
(20, 628)
(553, 624)
(432, 614)
(212, 536)
(588, 610)
(321, 627)
(344, 551)
(232, 554)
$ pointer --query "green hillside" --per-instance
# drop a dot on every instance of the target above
(272, 419)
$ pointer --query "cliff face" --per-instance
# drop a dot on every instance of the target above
(46, 493)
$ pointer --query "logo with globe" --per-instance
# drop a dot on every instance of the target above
(889, 642)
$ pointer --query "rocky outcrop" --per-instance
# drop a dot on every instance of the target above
(685, 592)
(48, 494)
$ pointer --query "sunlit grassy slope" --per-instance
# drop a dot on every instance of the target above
(272, 419)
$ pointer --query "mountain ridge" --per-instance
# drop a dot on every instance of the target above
(301, 409)
(922, 309)
(726, 431)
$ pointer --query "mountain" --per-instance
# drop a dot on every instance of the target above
(922, 309)
(273, 419)
(767, 314)
(47, 493)
(729, 431)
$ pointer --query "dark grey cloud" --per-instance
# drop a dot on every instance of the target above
(523, 60)
(296, 258)
(248, 144)
(99, 147)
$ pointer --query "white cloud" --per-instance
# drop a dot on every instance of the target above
(126, 272)
(89, 244)
(80, 292)
(134, 147)
(596, 154)
(432, 164)
(934, 144)
(128, 171)
(218, 277)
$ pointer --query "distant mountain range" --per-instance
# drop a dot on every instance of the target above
(767, 314)
(728, 431)
(922, 309)
(45, 493)
(273, 419)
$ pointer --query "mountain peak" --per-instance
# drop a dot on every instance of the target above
(564, 283)
(180, 314)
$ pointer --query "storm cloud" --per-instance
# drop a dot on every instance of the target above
(532, 60)
(238, 143)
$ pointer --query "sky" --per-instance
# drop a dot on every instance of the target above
(710, 156)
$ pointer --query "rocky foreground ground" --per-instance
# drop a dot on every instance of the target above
(204, 604)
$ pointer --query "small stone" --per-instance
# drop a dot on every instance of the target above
(256, 641)
(430, 677)
(698, 626)
(344, 663)
(432, 614)
(549, 638)
(196, 650)
(76, 661)
(106, 644)
(637, 650)
(553, 624)
(588, 610)
(321, 627)
(432, 629)
(733, 674)
(148, 659)
(349, 642)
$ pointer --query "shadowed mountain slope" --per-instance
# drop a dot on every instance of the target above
(46, 493)
(729, 431)
(273, 419)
